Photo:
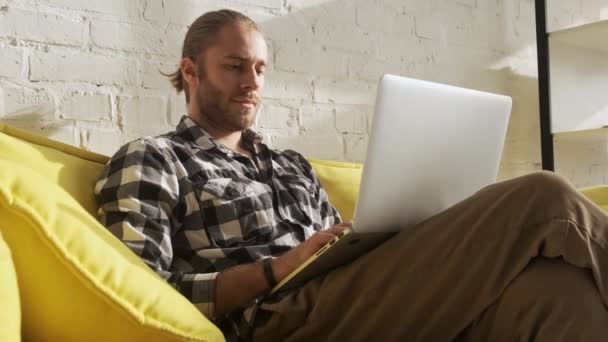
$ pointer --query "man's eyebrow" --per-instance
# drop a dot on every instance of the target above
(236, 57)
(243, 59)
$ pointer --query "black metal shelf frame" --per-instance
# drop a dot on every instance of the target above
(544, 85)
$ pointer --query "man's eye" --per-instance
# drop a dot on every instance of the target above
(260, 71)
(233, 66)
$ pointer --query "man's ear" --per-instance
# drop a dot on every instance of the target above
(189, 72)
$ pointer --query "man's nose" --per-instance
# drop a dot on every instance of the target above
(250, 80)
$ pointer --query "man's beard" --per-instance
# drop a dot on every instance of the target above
(214, 107)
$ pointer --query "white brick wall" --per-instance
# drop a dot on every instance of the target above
(41, 27)
(82, 67)
(26, 103)
(11, 61)
(353, 118)
(143, 115)
(276, 116)
(86, 107)
(86, 72)
(127, 10)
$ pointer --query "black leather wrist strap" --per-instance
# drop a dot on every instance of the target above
(272, 282)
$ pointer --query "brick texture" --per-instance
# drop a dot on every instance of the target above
(87, 72)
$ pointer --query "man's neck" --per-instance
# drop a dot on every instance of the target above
(230, 139)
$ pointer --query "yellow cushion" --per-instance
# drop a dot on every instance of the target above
(76, 170)
(10, 311)
(73, 169)
(341, 182)
(77, 281)
(597, 195)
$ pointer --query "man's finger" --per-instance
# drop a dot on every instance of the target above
(323, 237)
(337, 229)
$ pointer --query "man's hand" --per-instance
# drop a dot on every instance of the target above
(291, 260)
(238, 285)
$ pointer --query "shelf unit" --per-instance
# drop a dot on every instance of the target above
(572, 80)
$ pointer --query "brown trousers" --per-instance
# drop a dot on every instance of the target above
(520, 260)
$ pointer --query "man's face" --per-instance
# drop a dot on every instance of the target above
(231, 75)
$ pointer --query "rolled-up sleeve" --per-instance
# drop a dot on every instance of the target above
(138, 197)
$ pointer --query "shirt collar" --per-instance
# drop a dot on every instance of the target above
(190, 131)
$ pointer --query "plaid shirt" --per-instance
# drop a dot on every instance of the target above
(190, 207)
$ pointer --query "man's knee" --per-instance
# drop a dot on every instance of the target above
(547, 180)
(545, 186)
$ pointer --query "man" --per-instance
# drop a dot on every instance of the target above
(222, 217)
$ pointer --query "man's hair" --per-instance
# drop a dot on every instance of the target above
(201, 35)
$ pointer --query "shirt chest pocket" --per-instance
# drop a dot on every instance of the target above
(219, 190)
(229, 211)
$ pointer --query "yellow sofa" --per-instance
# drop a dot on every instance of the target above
(76, 281)
(64, 277)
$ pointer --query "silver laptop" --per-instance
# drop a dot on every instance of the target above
(430, 146)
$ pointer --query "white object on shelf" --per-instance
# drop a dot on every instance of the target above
(590, 36)
(579, 77)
